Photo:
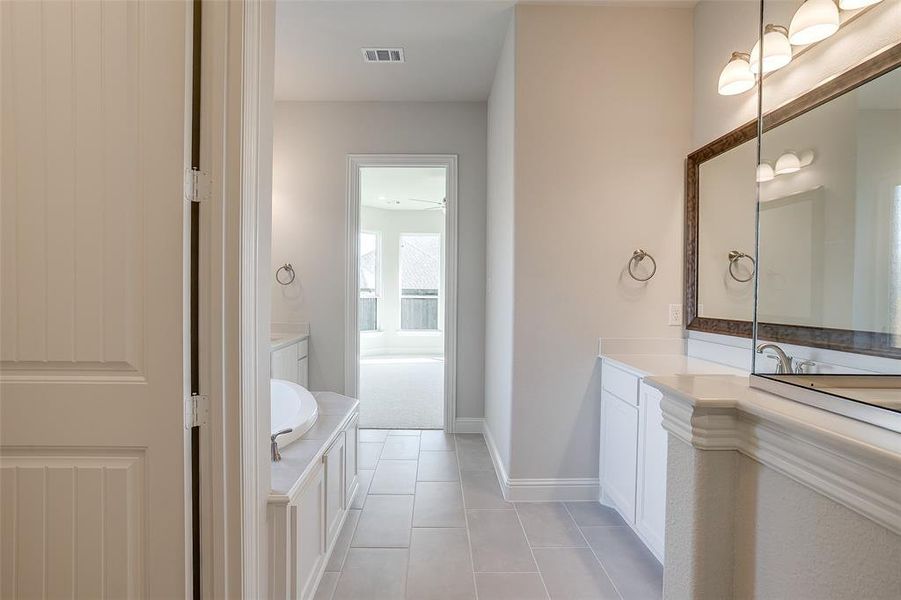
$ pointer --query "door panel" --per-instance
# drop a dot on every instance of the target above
(92, 355)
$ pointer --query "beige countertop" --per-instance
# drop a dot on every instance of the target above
(300, 456)
(646, 365)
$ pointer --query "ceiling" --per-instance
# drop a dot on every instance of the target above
(451, 49)
(402, 188)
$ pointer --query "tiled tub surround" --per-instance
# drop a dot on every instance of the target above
(429, 522)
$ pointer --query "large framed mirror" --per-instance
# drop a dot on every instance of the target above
(826, 271)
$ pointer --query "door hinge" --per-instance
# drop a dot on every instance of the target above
(197, 410)
(197, 185)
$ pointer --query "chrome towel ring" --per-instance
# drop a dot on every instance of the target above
(734, 257)
(289, 278)
(638, 256)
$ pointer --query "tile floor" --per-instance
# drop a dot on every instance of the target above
(430, 522)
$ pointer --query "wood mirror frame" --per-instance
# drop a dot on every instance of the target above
(846, 340)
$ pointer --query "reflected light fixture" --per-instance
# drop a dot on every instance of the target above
(777, 51)
(855, 4)
(814, 21)
(765, 172)
(788, 163)
(736, 77)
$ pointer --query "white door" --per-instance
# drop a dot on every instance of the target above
(94, 122)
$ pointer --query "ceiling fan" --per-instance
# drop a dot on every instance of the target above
(436, 205)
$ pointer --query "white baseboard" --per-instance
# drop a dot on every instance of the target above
(539, 490)
(468, 425)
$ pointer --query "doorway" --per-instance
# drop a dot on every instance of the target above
(401, 309)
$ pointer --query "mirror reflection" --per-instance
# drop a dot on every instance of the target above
(830, 218)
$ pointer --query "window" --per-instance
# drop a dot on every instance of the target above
(370, 275)
(420, 280)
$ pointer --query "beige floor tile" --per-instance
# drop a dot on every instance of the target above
(587, 514)
(373, 435)
(327, 586)
(415, 432)
(473, 452)
(394, 477)
(548, 524)
(438, 504)
(373, 574)
(573, 574)
(401, 447)
(440, 566)
(369, 454)
(342, 544)
(438, 466)
(634, 570)
(481, 490)
(510, 586)
(385, 522)
(435, 440)
(498, 543)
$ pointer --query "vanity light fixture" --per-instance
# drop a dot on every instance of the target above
(788, 163)
(814, 21)
(777, 51)
(855, 4)
(736, 77)
(765, 172)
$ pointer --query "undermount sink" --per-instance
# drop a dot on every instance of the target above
(874, 399)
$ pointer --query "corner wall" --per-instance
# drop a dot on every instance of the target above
(603, 96)
(500, 252)
(312, 141)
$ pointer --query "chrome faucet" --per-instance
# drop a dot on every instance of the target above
(273, 446)
(784, 364)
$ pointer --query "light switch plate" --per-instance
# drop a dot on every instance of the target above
(675, 314)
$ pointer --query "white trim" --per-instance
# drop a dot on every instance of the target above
(581, 489)
(469, 425)
(236, 124)
(352, 277)
(840, 458)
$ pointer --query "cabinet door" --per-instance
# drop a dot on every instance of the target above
(650, 514)
(351, 468)
(307, 543)
(619, 425)
(284, 363)
(334, 459)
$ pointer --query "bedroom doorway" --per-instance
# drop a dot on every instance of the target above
(402, 296)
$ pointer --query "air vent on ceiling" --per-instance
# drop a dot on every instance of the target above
(383, 55)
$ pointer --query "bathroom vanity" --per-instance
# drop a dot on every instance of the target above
(633, 449)
(312, 488)
(290, 355)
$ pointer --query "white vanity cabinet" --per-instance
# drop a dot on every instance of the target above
(289, 359)
(633, 454)
(306, 516)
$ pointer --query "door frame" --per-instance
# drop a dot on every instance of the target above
(355, 162)
(235, 235)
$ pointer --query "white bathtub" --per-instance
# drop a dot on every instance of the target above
(293, 407)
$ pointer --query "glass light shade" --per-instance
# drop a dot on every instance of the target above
(788, 163)
(764, 172)
(855, 4)
(777, 51)
(814, 21)
(736, 77)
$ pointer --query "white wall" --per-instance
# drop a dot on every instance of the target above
(312, 141)
(389, 339)
(599, 150)
(499, 289)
